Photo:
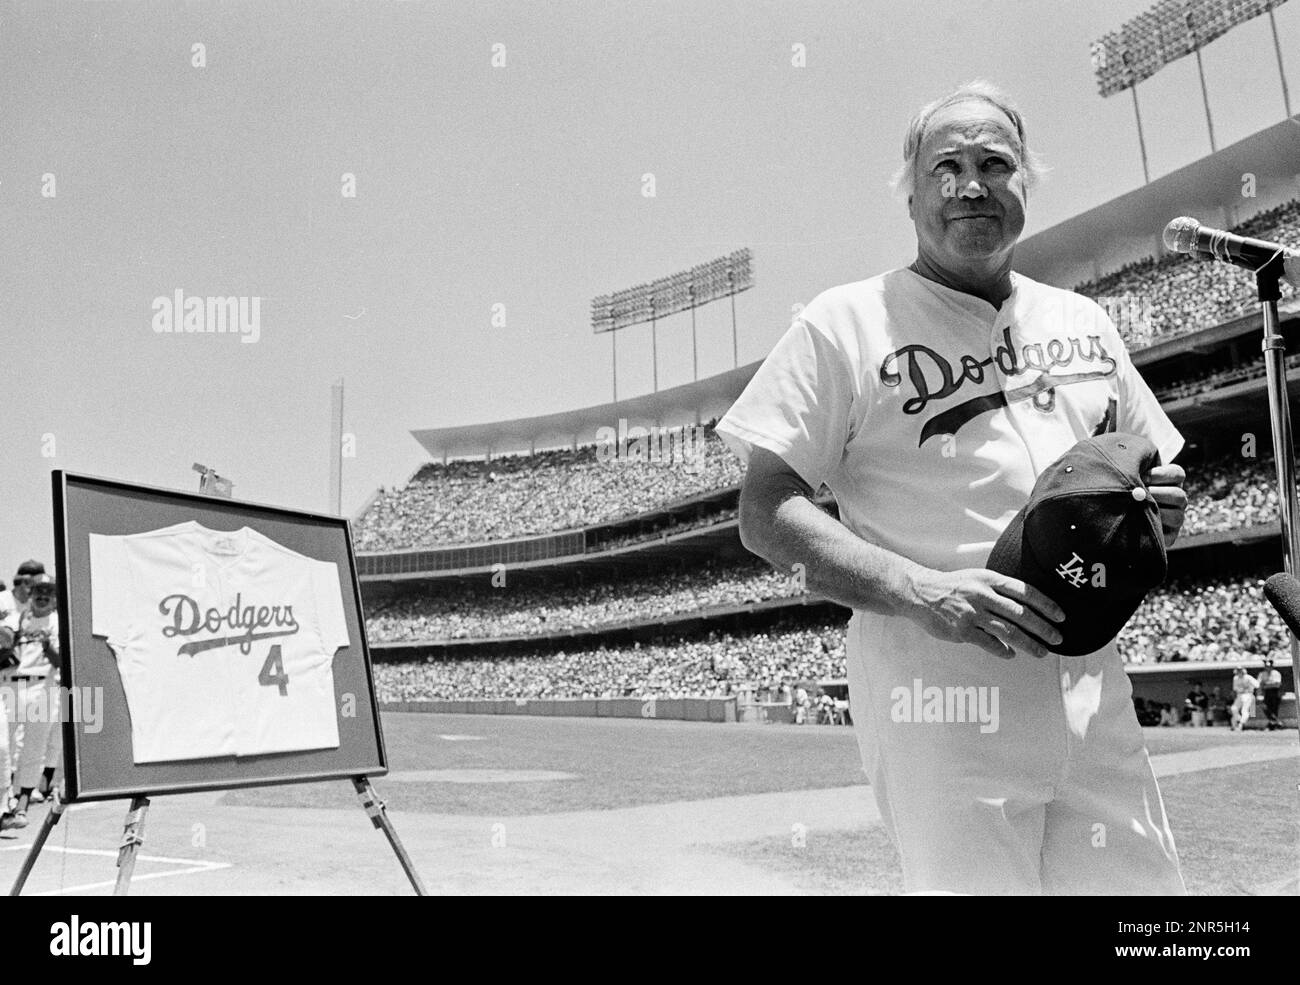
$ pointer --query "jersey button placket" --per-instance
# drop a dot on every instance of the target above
(1003, 336)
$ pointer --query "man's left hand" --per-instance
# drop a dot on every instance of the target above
(1165, 483)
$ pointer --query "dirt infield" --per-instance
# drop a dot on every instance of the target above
(519, 805)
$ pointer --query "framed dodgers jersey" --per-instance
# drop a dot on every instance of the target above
(209, 643)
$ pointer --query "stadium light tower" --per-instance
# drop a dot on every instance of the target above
(1163, 34)
(1190, 18)
(654, 345)
(686, 290)
(1277, 49)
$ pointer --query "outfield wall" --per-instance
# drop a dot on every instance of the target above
(680, 709)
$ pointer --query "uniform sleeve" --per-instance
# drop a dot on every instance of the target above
(329, 605)
(109, 574)
(1139, 410)
(798, 405)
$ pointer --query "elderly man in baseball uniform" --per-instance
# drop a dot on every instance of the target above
(928, 399)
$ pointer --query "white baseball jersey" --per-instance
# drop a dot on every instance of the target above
(28, 648)
(929, 413)
(225, 641)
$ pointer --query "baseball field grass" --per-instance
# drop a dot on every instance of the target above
(516, 804)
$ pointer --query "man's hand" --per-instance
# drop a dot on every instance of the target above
(990, 610)
(1165, 483)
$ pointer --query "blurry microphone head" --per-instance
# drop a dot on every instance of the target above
(1180, 235)
(1283, 593)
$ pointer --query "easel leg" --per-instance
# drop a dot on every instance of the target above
(51, 819)
(378, 815)
(132, 839)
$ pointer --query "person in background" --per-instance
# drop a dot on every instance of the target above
(825, 709)
(1198, 703)
(8, 605)
(26, 572)
(12, 604)
(1270, 685)
(34, 635)
(1243, 705)
(1217, 704)
(800, 705)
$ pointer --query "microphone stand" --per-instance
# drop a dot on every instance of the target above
(1267, 282)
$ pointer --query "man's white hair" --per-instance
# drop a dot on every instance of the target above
(1031, 163)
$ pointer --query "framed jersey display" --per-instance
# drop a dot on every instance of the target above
(208, 643)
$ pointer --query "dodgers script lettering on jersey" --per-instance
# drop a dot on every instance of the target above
(933, 378)
(225, 641)
(186, 621)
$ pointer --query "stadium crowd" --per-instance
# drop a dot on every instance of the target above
(1230, 493)
(716, 665)
(467, 611)
(677, 526)
(1179, 294)
(1228, 619)
(474, 501)
(1212, 380)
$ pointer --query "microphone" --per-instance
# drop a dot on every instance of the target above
(1186, 235)
(1283, 593)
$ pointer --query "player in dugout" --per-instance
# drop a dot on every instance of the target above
(929, 399)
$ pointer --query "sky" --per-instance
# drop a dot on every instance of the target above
(500, 154)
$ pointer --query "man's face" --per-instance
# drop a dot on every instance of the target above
(968, 199)
(42, 602)
(20, 588)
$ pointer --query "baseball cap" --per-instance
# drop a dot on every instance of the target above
(1089, 538)
(31, 568)
(41, 581)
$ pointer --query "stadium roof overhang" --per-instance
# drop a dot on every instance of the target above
(1213, 189)
(691, 403)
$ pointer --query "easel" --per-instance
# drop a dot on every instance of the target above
(133, 837)
(57, 806)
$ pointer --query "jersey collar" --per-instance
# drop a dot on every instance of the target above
(977, 306)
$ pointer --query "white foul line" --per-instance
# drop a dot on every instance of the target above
(192, 866)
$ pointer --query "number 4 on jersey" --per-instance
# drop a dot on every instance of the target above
(272, 673)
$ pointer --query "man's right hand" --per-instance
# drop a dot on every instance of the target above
(979, 606)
